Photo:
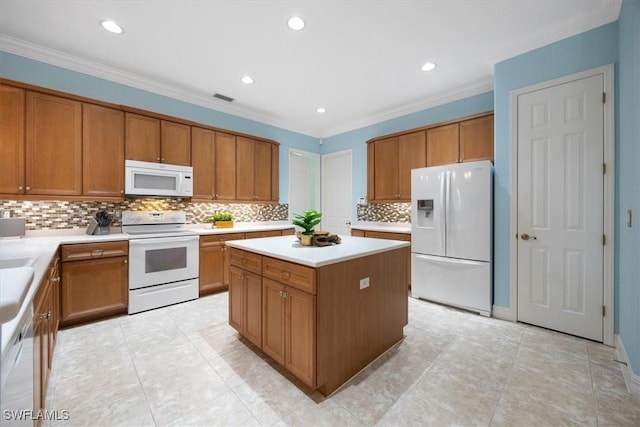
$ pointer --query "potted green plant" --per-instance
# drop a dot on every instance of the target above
(307, 221)
(220, 219)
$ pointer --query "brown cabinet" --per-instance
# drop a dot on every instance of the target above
(245, 303)
(288, 328)
(389, 236)
(203, 161)
(465, 141)
(152, 140)
(260, 234)
(12, 163)
(53, 145)
(253, 173)
(102, 151)
(391, 160)
(94, 281)
(214, 262)
(45, 329)
(225, 167)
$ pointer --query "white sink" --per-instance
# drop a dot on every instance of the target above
(14, 286)
(16, 262)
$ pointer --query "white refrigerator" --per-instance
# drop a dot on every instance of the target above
(451, 235)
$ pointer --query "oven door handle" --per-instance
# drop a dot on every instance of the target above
(156, 240)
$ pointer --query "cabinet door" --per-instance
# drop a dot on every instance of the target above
(236, 298)
(300, 330)
(412, 154)
(262, 171)
(102, 151)
(275, 172)
(175, 143)
(245, 152)
(442, 145)
(476, 139)
(225, 169)
(371, 170)
(94, 289)
(212, 277)
(142, 138)
(53, 145)
(357, 233)
(273, 320)
(386, 169)
(203, 159)
(12, 140)
(253, 308)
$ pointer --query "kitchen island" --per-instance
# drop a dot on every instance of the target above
(324, 313)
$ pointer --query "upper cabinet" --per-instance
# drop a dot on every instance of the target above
(12, 139)
(225, 166)
(253, 173)
(102, 151)
(53, 145)
(390, 159)
(153, 140)
(203, 155)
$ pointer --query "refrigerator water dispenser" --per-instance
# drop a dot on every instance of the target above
(425, 212)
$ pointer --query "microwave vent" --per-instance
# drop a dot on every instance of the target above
(223, 97)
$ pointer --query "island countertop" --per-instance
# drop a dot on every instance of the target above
(288, 248)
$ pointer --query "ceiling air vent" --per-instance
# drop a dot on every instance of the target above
(224, 98)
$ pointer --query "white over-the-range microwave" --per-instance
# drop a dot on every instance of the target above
(157, 179)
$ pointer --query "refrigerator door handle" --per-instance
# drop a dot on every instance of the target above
(442, 260)
(444, 209)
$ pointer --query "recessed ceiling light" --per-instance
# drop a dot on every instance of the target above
(296, 23)
(428, 66)
(112, 27)
(321, 110)
(247, 80)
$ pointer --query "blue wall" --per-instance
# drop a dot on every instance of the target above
(582, 52)
(355, 140)
(628, 196)
(26, 70)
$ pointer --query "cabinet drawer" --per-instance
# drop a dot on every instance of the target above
(298, 276)
(389, 236)
(246, 260)
(94, 250)
(260, 234)
(217, 239)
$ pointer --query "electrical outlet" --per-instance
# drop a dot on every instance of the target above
(364, 283)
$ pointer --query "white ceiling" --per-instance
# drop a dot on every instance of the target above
(358, 59)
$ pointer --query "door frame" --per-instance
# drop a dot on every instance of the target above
(317, 158)
(322, 174)
(608, 197)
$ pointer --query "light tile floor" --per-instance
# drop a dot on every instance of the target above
(183, 365)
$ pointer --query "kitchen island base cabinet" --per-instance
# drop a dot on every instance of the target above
(323, 324)
(245, 302)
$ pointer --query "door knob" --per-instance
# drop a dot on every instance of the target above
(525, 236)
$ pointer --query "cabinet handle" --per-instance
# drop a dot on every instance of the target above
(281, 294)
(55, 279)
(20, 187)
(42, 316)
(49, 314)
(28, 188)
(163, 159)
(285, 274)
(126, 261)
(157, 159)
(97, 252)
(285, 294)
(121, 191)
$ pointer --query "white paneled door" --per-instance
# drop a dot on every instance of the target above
(336, 192)
(560, 207)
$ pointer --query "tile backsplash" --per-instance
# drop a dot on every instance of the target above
(50, 214)
(385, 212)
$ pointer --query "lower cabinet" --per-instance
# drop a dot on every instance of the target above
(245, 303)
(45, 328)
(94, 281)
(278, 297)
(214, 262)
(389, 236)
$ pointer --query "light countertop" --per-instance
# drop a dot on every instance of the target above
(389, 227)
(288, 248)
(43, 244)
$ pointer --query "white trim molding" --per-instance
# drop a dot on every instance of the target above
(607, 71)
(631, 380)
(503, 313)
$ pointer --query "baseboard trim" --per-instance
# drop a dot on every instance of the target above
(632, 380)
(503, 313)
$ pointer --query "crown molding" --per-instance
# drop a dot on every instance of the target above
(95, 69)
(462, 92)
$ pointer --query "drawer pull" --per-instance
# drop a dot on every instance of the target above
(55, 279)
(97, 252)
(285, 274)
